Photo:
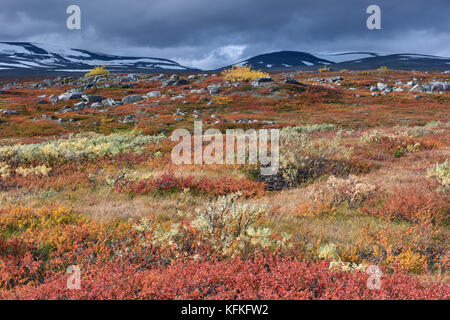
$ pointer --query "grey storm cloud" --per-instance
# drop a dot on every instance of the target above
(211, 33)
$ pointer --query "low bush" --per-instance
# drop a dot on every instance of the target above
(441, 172)
(416, 203)
(79, 147)
(169, 182)
(242, 73)
(228, 258)
(335, 192)
(263, 278)
(97, 71)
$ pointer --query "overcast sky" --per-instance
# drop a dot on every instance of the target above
(212, 33)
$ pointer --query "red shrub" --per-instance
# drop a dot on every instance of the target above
(218, 187)
(262, 278)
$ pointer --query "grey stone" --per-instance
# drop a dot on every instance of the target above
(71, 95)
(131, 99)
(67, 109)
(158, 78)
(439, 86)
(290, 80)
(153, 94)
(198, 91)
(53, 99)
(181, 82)
(382, 87)
(45, 117)
(80, 104)
(166, 83)
(96, 105)
(181, 96)
(8, 111)
(92, 99)
(214, 91)
(108, 102)
(417, 88)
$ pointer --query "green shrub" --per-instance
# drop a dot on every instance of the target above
(441, 172)
(79, 147)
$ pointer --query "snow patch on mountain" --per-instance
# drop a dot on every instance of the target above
(346, 56)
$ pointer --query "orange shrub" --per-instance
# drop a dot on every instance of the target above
(416, 203)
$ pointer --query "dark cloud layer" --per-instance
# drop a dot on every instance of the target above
(211, 33)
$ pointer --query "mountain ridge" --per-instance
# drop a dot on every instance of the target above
(360, 60)
(29, 59)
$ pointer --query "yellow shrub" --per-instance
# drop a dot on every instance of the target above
(97, 71)
(4, 170)
(39, 170)
(221, 100)
(383, 69)
(244, 73)
(411, 261)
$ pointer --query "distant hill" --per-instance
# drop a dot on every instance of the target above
(295, 60)
(26, 59)
(35, 59)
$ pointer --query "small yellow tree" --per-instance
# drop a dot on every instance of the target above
(97, 71)
(242, 73)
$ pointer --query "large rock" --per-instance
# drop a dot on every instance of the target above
(418, 88)
(108, 102)
(263, 79)
(66, 109)
(71, 95)
(129, 118)
(214, 88)
(169, 82)
(382, 87)
(290, 80)
(198, 91)
(158, 78)
(181, 82)
(439, 86)
(130, 78)
(92, 99)
(132, 98)
(45, 117)
(8, 111)
(153, 94)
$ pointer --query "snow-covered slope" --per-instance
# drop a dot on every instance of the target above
(26, 56)
(347, 56)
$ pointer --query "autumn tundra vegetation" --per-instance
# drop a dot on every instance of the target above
(86, 180)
